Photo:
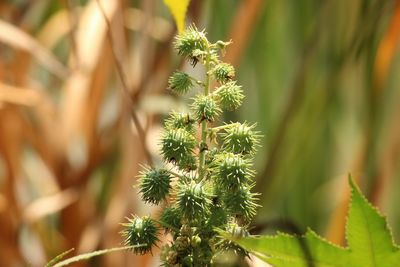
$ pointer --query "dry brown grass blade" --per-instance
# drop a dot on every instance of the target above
(90, 44)
(122, 194)
(47, 205)
(157, 28)
(19, 96)
(82, 94)
(126, 88)
(18, 39)
(11, 138)
(242, 26)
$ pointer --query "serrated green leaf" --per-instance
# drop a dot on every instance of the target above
(178, 9)
(368, 234)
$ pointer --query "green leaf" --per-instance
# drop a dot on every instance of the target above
(178, 9)
(58, 258)
(368, 235)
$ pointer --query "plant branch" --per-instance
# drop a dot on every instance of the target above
(203, 142)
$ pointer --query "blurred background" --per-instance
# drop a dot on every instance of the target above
(82, 103)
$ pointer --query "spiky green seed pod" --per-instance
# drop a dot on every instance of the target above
(191, 44)
(193, 201)
(232, 171)
(180, 82)
(154, 185)
(177, 147)
(241, 138)
(171, 218)
(241, 203)
(211, 155)
(235, 231)
(230, 96)
(223, 72)
(217, 218)
(140, 232)
(205, 108)
(180, 120)
(188, 163)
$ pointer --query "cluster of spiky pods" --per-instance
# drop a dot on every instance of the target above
(206, 181)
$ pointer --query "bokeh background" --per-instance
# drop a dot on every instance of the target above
(82, 103)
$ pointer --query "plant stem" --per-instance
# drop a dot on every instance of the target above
(166, 225)
(177, 174)
(204, 122)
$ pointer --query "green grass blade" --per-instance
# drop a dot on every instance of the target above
(85, 256)
(58, 258)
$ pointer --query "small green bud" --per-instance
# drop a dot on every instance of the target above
(241, 203)
(193, 201)
(180, 82)
(191, 43)
(222, 45)
(205, 108)
(241, 138)
(154, 185)
(177, 147)
(180, 120)
(232, 171)
(171, 218)
(230, 95)
(141, 232)
(196, 241)
(188, 260)
(218, 216)
(223, 72)
(210, 156)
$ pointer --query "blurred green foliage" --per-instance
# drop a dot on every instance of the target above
(308, 76)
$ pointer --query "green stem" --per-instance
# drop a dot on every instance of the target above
(166, 225)
(177, 174)
(204, 122)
